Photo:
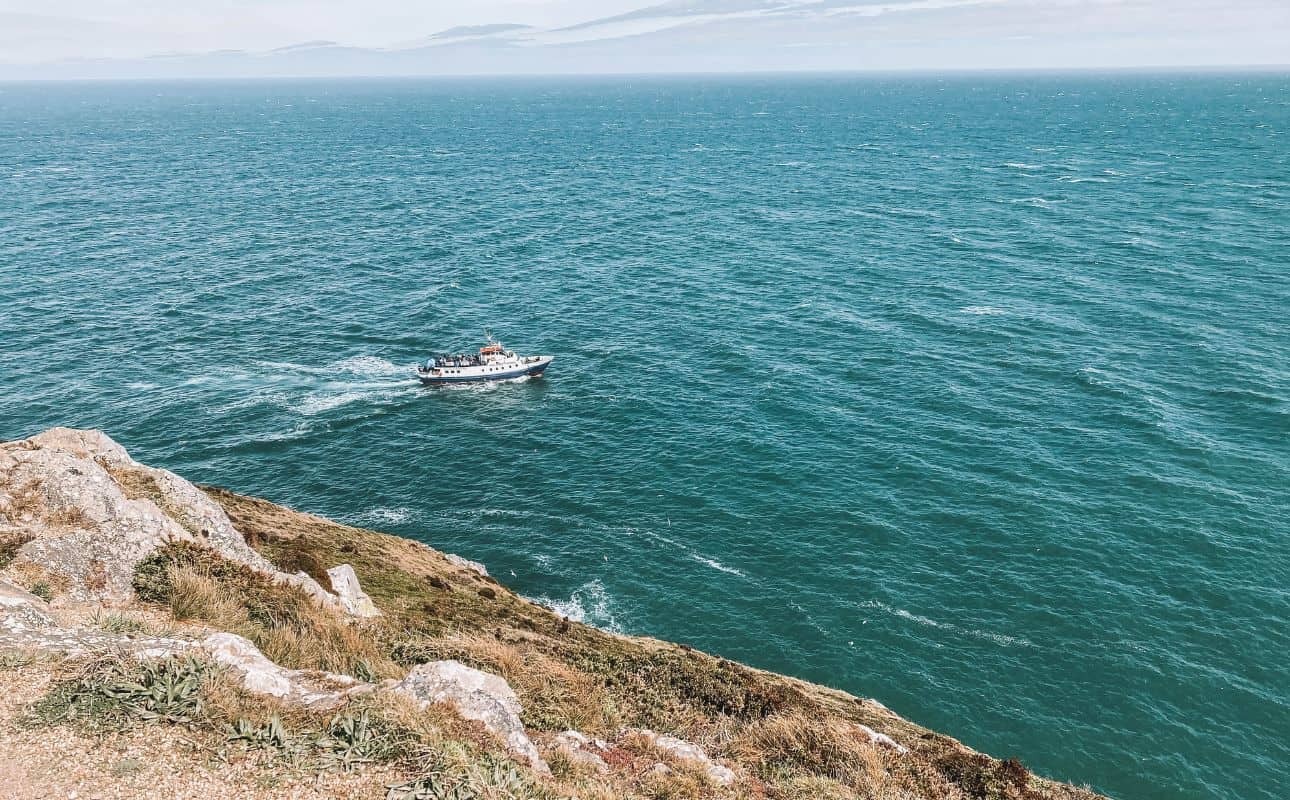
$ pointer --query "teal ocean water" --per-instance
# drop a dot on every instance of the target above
(968, 394)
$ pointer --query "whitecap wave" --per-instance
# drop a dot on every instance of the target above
(381, 516)
(1037, 202)
(1079, 179)
(589, 604)
(983, 311)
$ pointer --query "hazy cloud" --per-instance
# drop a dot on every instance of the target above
(398, 36)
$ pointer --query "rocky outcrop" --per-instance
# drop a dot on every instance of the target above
(689, 753)
(21, 611)
(351, 596)
(477, 696)
(261, 676)
(582, 749)
(26, 624)
(88, 514)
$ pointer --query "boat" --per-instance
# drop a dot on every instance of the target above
(493, 363)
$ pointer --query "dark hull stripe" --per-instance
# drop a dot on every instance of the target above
(496, 376)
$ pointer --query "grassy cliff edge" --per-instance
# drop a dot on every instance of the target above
(129, 596)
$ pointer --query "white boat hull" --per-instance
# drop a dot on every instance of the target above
(495, 370)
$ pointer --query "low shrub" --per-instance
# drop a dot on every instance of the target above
(455, 773)
(662, 686)
(296, 557)
(981, 777)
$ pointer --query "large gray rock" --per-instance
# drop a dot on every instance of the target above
(582, 749)
(21, 611)
(27, 626)
(93, 513)
(478, 696)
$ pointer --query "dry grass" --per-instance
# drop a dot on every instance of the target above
(797, 743)
(789, 739)
(10, 543)
(554, 696)
(24, 502)
(284, 622)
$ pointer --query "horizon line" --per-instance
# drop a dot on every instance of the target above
(1159, 69)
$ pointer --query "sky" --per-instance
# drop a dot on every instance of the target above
(53, 29)
(684, 35)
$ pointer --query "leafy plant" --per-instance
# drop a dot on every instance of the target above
(349, 741)
(454, 775)
(112, 691)
(118, 623)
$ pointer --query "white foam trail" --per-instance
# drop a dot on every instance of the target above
(369, 365)
(998, 638)
(717, 565)
(481, 386)
(319, 402)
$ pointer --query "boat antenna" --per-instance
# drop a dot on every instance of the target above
(488, 334)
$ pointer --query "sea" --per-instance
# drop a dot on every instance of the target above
(968, 393)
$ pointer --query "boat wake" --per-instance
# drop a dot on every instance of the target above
(309, 390)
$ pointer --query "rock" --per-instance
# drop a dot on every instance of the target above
(261, 676)
(582, 750)
(82, 526)
(881, 739)
(25, 624)
(88, 444)
(352, 597)
(92, 514)
(21, 611)
(473, 566)
(688, 752)
(475, 695)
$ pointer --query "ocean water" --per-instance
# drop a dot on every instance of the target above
(968, 394)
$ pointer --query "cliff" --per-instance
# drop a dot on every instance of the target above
(165, 640)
